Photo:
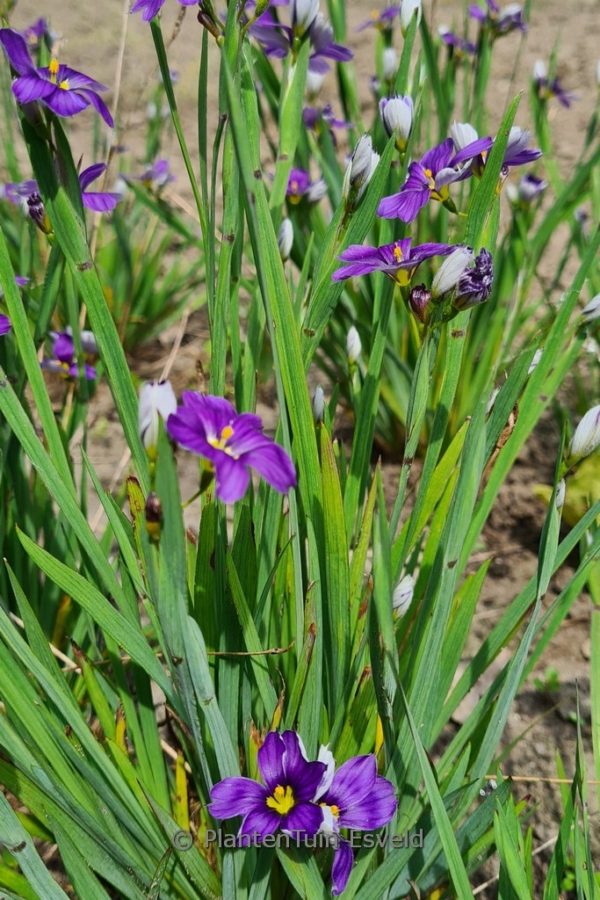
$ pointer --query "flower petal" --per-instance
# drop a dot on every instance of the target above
(236, 797)
(353, 782)
(101, 201)
(373, 811)
(272, 462)
(260, 822)
(343, 860)
(305, 818)
(91, 174)
(270, 760)
(29, 87)
(5, 325)
(66, 103)
(232, 478)
(15, 47)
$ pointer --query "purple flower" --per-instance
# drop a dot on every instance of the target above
(312, 114)
(428, 179)
(150, 8)
(546, 88)
(499, 21)
(156, 175)
(459, 45)
(27, 193)
(65, 91)
(284, 801)
(354, 797)
(382, 21)
(278, 40)
(530, 187)
(398, 260)
(99, 201)
(64, 361)
(517, 153)
(299, 186)
(230, 443)
(34, 33)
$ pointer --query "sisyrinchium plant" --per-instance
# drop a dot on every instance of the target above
(256, 703)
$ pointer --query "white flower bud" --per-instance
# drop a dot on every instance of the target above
(360, 169)
(316, 191)
(540, 70)
(592, 310)
(409, 9)
(403, 595)
(318, 404)
(285, 239)
(353, 345)
(449, 273)
(314, 83)
(397, 116)
(462, 134)
(390, 63)
(303, 14)
(156, 399)
(561, 490)
(151, 110)
(586, 437)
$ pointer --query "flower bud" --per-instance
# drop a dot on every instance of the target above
(156, 399)
(314, 83)
(285, 238)
(360, 169)
(449, 273)
(586, 437)
(462, 134)
(390, 63)
(418, 301)
(409, 9)
(592, 310)
(318, 404)
(303, 14)
(397, 117)
(37, 211)
(403, 595)
(475, 284)
(561, 490)
(353, 345)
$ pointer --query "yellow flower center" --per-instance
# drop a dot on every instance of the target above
(403, 277)
(282, 800)
(334, 810)
(397, 253)
(220, 443)
(429, 176)
(374, 14)
(53, 69)
(64, 85)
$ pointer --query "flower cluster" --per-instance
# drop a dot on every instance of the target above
(303, 798)
(499, 20)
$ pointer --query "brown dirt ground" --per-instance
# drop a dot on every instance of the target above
(92, 33)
